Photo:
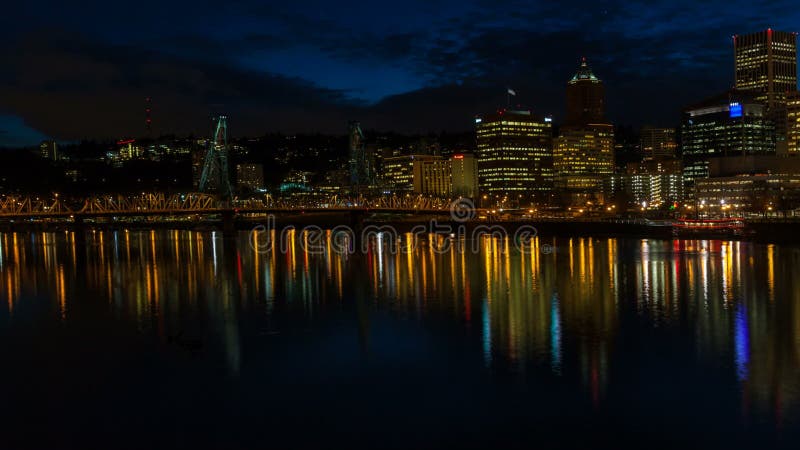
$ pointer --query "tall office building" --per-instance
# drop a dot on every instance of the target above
(583, 157)
(730, 124)
(766, 65)
(464, 175)
(432, 176)
(793, 123)
(585, 97)
(515, 156)
(658, 143)
(398, 171)
(583, 154)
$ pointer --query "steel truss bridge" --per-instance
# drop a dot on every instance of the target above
(159, 204)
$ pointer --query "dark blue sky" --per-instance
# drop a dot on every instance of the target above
(83, 71)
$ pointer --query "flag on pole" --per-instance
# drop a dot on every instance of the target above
(511, 92)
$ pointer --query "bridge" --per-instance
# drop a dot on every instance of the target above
(190, 204)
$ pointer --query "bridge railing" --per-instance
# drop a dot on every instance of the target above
(17, 205)
(13, 206)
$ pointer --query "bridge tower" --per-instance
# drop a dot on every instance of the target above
(360, 167)
(215, 176)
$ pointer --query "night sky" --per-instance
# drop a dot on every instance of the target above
(71, 72)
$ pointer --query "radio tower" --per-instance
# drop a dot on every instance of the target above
(148, 121)
(215, 176)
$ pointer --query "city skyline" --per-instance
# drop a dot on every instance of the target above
(422, 224)
(407, 69)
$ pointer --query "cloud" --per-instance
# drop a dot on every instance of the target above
(72, 87)
(404, 67)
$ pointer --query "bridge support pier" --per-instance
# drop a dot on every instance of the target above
(228, 222)
(357, 225)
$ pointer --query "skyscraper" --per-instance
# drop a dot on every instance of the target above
(432, 176)
(793, 123)
(583, 154)
(465, 175)
(729, 124)
(766, 65)
(515, 156)
(582, 158)
(585, 97)
(398, 171)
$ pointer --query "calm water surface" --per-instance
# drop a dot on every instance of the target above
(172, 339)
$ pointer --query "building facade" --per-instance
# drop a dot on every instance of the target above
(432, 176)
(793, 123)
(758, 193)
(730, 124)
(515, 156)
(585, 97)
(650, 184)
(583, 157)
(583, 153)
(766, 65)
(464, 168)
(398, 172)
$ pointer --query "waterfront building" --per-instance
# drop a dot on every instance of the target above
(758, 193)
(651, 184)
(583, 158)
(729, 124)
(792, 109)
(464, 167)
(398, 172)
(515, 156)
(583, 153)
(432, 176)
(766, 65)
(752, 164)
(585, 97)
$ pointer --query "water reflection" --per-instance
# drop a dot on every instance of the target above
(559, 307)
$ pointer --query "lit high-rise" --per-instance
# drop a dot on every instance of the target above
(583, 157)
(766, 64)
(730, 124)
(465, 174)
(583, 154)
(793, 123)
(585, 97)
(515, 156)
